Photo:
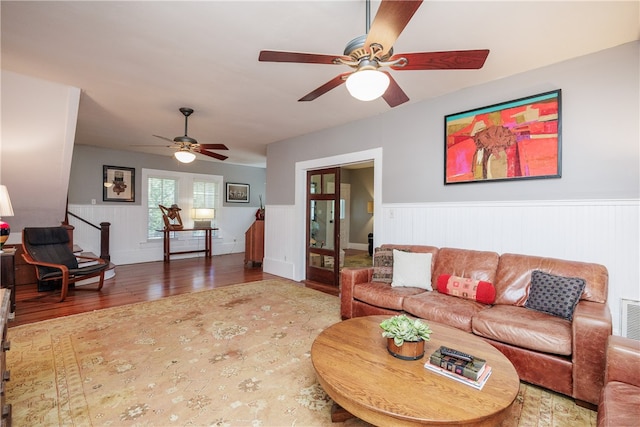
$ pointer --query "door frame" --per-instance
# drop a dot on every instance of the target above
(301, 168)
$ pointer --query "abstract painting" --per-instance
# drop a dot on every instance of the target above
(519, 139)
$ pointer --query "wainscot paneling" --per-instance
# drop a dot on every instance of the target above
(279, 241)
(128, 235)
(602, 231)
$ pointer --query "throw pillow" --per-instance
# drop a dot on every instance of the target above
(554, 295)
(463, 287)
(383, 265)
(411, 269)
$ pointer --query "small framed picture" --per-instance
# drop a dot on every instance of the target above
(237, 193)
(118, 184)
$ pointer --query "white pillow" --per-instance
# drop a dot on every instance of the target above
(411, 269)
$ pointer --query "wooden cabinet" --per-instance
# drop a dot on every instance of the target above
(5, 301)
(254, 243)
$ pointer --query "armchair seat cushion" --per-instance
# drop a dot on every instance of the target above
(383, 294)
(525, 328)
(442, 308)
(622, 405)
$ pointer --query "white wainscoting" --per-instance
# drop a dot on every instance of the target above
(128, 233)
(601, 231)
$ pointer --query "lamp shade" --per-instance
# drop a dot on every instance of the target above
(367, 85)
(184, 156)
(5, 202)
(203, 213)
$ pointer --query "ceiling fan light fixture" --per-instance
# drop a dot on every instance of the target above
(367, 85)
(184, 156)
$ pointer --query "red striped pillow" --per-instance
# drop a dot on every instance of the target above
(463, 287)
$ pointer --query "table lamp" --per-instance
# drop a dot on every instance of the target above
(202, 217)
(5, 210)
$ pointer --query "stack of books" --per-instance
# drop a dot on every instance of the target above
(470, 370)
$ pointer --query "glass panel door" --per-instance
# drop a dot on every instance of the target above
(323, 226)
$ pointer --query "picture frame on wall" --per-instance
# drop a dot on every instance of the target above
(514, 140)
(237, 193)
(118, 184)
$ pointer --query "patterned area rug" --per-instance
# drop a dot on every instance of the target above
(233, 356)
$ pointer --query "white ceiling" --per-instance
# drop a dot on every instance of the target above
(138, 62)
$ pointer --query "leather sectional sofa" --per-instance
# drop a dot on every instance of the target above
(566, 356)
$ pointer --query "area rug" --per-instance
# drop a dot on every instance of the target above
(234, 356)
(358, 260)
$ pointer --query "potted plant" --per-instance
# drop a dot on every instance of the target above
(405, 336)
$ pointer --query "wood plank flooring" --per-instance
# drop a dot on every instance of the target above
(142, 282)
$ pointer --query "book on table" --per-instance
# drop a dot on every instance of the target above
(471, 369)
(477, 384)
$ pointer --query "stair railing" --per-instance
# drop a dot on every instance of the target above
(104, 235)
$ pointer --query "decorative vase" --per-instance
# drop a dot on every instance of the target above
(409, 350)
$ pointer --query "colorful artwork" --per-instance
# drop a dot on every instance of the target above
(519, 139)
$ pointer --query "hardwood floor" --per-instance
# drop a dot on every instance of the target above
(143, 282)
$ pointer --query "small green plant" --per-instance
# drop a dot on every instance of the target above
(402, 328)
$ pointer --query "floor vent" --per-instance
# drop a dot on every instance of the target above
(631, 319)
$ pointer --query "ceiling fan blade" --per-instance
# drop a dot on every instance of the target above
(212, 154)
(298, 57)
(213, 146)
(394, 95)
(449, 60)
(390, 20)
(164, 137)
(331, 84)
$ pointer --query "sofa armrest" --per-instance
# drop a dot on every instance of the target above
(349, 277)
(591, 327)
(623, 360)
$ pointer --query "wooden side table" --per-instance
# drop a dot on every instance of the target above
(8, 275)
(166, 236)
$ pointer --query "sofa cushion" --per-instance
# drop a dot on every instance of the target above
(514, 276)
(619, 405)
(382, 265)
(383, 295)
(411, 270)
(462, 287)
(477, 265)
(524, 328)
(553, 294)
(441, 308)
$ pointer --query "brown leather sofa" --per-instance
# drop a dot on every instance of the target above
(620, 399)
(558, 354)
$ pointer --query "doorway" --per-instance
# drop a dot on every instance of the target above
(299, 220)
(331, 213)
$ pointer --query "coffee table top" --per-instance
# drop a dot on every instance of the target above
(357, 372)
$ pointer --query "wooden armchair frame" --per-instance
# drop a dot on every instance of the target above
(49, 250)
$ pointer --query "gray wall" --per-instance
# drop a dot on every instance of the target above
(600, 140)
(85, 184)
(361, 181)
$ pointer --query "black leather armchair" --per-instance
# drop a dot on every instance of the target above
(49, 250)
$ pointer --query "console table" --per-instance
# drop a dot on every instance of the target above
(208, 233)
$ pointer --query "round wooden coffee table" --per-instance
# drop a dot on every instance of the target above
(356, 371)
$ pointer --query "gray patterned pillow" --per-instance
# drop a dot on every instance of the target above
(554, 295)
(383, 265)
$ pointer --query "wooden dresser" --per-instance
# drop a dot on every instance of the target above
(254, 243)
(5, 302)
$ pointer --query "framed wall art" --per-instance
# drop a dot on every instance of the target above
(519, 139)
(237, 193)
(119, 184)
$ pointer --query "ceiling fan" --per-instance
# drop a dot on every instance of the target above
(368, 53)
(187, 146)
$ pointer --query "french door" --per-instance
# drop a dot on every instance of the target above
(323, 226)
